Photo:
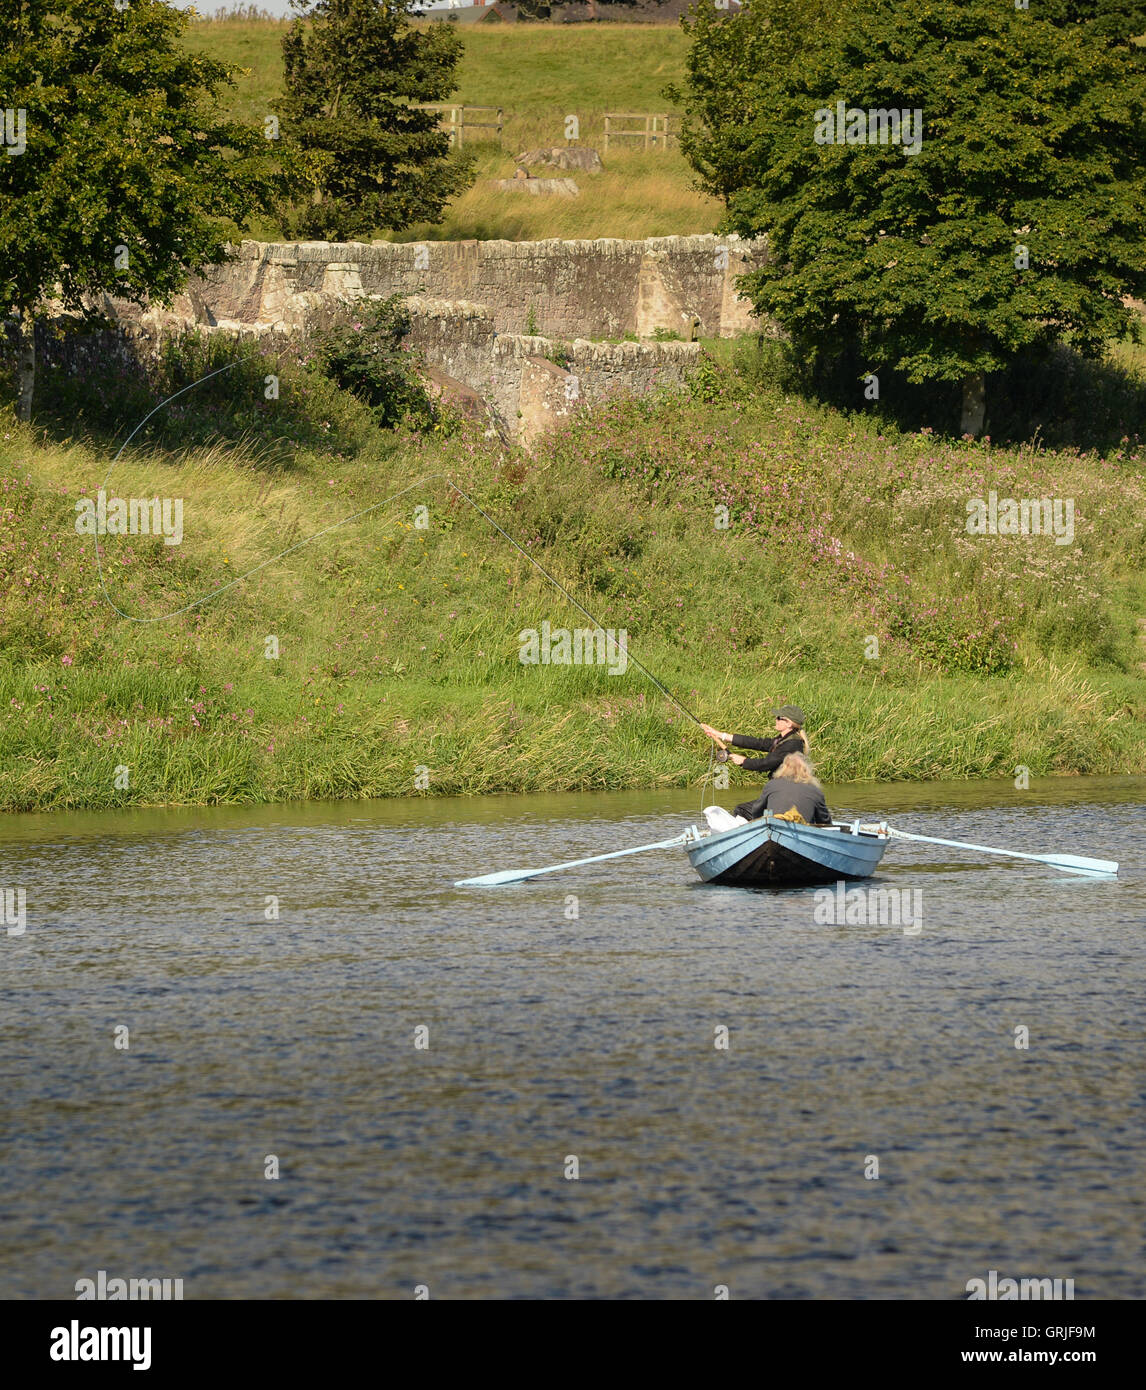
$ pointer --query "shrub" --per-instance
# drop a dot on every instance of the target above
(210, 386)
(368, 358)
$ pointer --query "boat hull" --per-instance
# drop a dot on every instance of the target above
(776, 853)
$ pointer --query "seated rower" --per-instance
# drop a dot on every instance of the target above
(795, 788)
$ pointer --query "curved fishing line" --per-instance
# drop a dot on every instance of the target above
(709, 776)
(103, 488)
(181, 392)
(206, 598)
(306, 540)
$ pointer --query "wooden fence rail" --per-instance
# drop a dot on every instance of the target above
(655, 128)
(456, 120)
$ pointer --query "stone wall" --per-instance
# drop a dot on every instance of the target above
(472, 303)
(592, 289)
(526, 390)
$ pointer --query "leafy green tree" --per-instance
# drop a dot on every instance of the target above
(369, 157)
(118, 178)
(732, 66)
(1010, 221)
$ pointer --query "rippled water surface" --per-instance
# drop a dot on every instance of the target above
(574, 1015)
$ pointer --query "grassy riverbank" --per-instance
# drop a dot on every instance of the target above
(845, 581)
(539, 75)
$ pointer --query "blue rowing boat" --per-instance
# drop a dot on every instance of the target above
(777, 852)
(771, 852)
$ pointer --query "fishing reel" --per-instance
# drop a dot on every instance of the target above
(722, 755)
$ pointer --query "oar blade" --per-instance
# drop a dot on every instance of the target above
(493, 880)
(1076, 864)
(1068, 863)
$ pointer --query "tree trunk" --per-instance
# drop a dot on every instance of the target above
(974, 405)
(26, 366)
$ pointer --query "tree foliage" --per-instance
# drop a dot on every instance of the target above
(1016, 225)
(128, 179)
(733, 65)
(369, 158)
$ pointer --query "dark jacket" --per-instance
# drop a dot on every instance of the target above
(782, 794)
(776, 748)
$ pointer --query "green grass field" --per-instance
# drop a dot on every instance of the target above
(539, 76)
(845, 581)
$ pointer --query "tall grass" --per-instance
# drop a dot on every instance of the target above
(399, 646)
(637, 195)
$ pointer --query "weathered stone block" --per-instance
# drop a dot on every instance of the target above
(563, 157)
(558, 188)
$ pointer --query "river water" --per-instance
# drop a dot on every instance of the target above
(554, 1037)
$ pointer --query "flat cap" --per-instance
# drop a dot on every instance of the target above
(792, 712)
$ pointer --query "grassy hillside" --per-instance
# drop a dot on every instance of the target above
(399, 647)
(539, 76)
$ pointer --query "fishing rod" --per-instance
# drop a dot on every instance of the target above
(580, 607)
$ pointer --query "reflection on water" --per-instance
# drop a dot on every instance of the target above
(576, 1015)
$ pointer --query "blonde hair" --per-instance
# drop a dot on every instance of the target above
(798, 769)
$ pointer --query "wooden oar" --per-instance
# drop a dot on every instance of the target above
(1068, 863)
(516, 875)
